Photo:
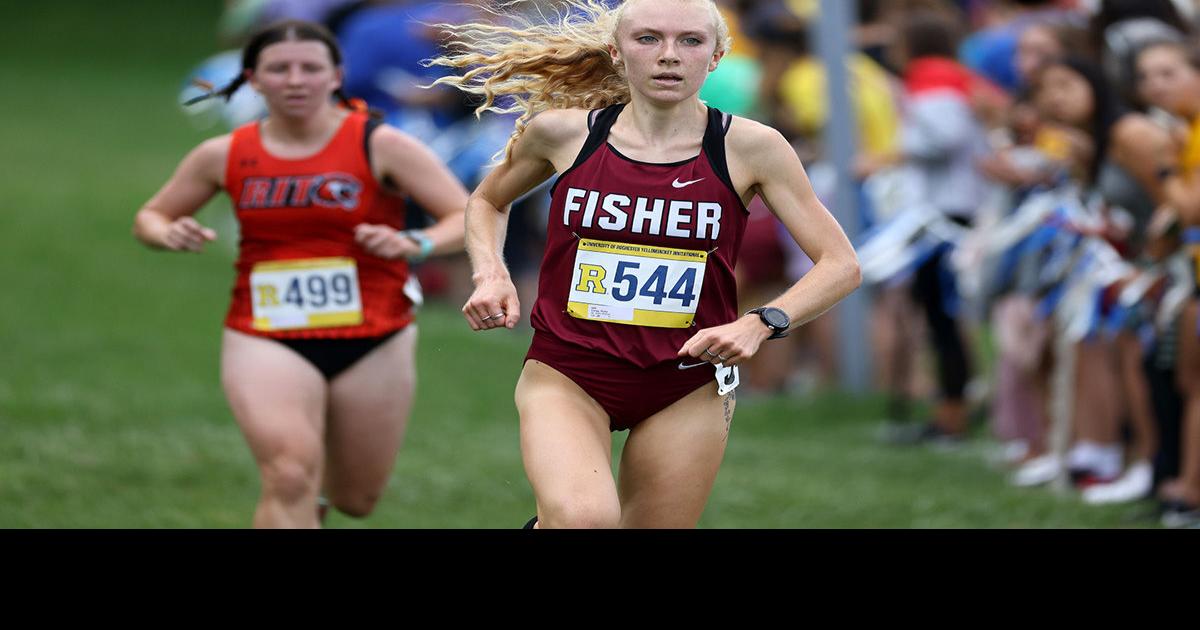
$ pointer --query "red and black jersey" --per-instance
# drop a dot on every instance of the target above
(639, 256)
(306, 210)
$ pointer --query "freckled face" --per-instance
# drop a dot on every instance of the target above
(667, 47)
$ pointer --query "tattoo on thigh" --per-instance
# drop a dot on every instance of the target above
(730, 398)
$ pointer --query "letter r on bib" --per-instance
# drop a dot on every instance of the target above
(591, 278)
(267, 296)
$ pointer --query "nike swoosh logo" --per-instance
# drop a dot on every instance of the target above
(679, 184)
(688, 367)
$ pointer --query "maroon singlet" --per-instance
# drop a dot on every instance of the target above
(627, 246)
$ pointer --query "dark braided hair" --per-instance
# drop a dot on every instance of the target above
(286, 30)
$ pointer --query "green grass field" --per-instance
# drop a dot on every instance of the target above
(111, 413)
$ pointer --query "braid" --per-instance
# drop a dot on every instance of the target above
(277, 32)
(358, 105)
(225, 92)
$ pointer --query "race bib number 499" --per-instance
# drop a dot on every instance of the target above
(308, 293)
(640, 285)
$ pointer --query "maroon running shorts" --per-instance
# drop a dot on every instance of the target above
(627, 392)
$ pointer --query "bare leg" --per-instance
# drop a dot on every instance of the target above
(1137, 393)
(1187, 486)
(369, 406)
(566, 447)
(281, 412)
(671, 459)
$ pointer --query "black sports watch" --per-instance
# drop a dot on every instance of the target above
(774, 318)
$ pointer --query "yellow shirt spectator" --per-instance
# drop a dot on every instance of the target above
(1189, 160)
(802, 90)
(1053, 143)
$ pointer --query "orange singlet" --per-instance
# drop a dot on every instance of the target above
(300, 275)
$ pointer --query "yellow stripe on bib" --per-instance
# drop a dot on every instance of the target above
(301, 264)
(643, 251)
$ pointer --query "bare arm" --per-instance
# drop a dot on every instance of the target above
(494, 302)
(1137, 145)
(784, 186)
(1182, 193)
(416, 170)
(1181, 188)
(766, 163)
(165, 221)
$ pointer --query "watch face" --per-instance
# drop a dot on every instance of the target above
(775, 318)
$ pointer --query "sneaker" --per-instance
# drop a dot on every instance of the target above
(1038, 471)
(1179, 515)
(1091, 463)
(1085, 480)
(1135, 484)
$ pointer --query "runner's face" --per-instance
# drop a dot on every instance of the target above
(667, 47)
(296, 78)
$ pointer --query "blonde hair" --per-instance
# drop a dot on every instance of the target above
(560, 62)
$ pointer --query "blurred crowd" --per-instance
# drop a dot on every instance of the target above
(1027, 175)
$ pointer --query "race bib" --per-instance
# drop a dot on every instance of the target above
(308, 293)
(640, 285)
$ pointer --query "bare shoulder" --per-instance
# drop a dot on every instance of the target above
(557, 126)
(390, 141)
(757, 153)
(209, 157)
(750, 141)
(1136, 129)
(214, 149)
(555, 135)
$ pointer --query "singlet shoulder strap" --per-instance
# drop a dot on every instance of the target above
(249, 133)
(242, 138)
(600, 122)
(368, 129)
(714, 144)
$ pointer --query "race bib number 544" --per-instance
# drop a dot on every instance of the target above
(640, 285)
(308, 293)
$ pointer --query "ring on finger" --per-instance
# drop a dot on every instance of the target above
(706, 351)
